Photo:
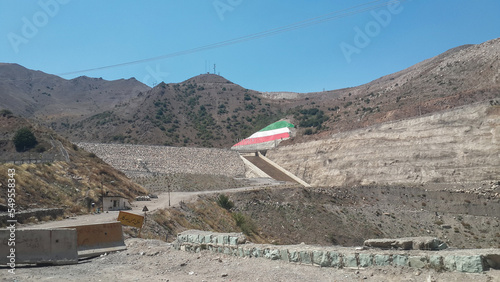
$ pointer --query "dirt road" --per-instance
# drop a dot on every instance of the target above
(137, 206)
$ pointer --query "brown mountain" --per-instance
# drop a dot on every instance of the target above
(209, 110)
(206, 110)
(35, 94)
(460, 76)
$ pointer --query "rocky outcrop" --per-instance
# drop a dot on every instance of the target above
(460, 145)
(411, 243)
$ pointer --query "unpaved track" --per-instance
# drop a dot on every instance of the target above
(155, 204)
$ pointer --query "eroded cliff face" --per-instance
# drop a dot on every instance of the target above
(455, 146)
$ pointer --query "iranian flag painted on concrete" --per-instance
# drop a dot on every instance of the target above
(276, 131)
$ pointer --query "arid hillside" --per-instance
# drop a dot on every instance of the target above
(460, 76)
(52, 99)
(210, 111)
(455, 146)
(205, 111)
(56, 173)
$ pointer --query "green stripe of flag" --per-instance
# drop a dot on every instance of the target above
(276, 125)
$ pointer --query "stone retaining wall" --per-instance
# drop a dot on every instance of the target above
(142, 160)
(472, 261)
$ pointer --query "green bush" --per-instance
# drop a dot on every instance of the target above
(311, 117)
(5, 113)
(224, 202)
(24, 139)
(245, 224)
(239, 218)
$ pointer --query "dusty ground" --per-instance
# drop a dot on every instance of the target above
(343, 216)
(152, 260)
(464, 218)
(325, 216)
(155, 204)
(394, 207)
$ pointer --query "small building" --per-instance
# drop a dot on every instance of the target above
(115, 203)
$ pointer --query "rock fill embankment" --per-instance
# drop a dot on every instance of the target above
(459, 145)
(471, 260)
(140, 160)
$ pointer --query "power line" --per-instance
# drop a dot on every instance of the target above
(305, 23)
(361, 8)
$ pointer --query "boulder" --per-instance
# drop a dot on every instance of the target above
(410, 243)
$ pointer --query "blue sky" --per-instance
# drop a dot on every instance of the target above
(362, 42)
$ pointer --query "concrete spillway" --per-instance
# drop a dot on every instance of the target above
(270, 170)
(264, 167)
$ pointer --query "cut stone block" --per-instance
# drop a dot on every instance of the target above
(321, 258)
(436, 262)
(382, 260)
(305, 257)
(471, 264)
(241, 252)
(449, 263)
(248, 252)
(257, 253)
(365, 260)
(350, 260)
(284, 255)
(233, 241)
(400, 260)
(335, 259)
(294, 256)
(272, 254)
(417, 261)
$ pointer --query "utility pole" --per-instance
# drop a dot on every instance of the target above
(214, 68)
(102, 197)
(168, 188)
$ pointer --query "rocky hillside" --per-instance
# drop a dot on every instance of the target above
(205, 111)
(460, 76)
(54, 181)
(456, 146)
(210, 111)
(52, 99)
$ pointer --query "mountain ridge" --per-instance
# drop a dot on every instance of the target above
(210, 111)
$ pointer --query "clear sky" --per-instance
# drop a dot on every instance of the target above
(345, 43)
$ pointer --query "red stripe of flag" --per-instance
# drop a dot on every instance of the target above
(251, 141)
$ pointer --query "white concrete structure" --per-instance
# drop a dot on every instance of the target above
(115, 203)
